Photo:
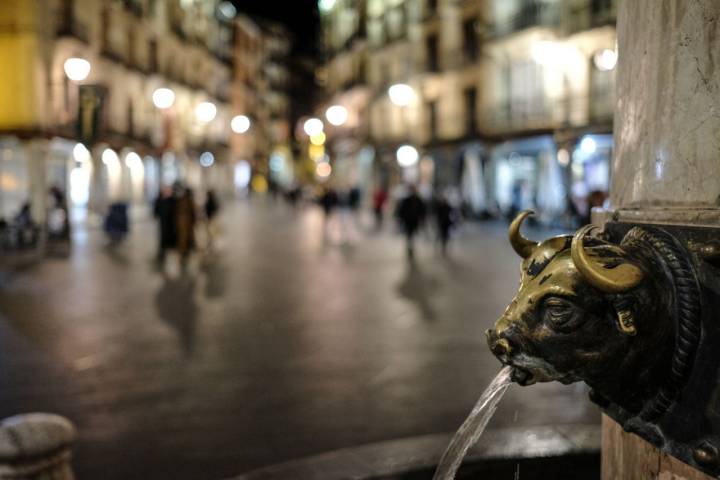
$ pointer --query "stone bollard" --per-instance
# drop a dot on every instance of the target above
(36, 446)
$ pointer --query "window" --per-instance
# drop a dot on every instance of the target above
(527, 91)
(153, 56)
(431, 46)
(470, 40)
(130, 120)
(432, 119)
(470, 110)
(602, 94)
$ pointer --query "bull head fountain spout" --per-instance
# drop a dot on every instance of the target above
(621, 311)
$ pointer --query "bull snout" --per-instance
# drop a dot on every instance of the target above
(499, 346)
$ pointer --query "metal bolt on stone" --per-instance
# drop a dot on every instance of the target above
(36, 446)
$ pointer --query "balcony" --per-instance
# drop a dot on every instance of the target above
(544, 113)
(532, 14)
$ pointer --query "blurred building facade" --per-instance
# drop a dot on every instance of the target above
(109, 100)
(510, 101)
(105, 135)
(261, 92)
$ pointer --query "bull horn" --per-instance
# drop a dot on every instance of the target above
(618, 279)
(520, 244)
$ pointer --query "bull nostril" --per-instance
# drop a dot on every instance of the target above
(501, 347)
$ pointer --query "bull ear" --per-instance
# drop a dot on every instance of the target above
(520, 244)
(610, 274)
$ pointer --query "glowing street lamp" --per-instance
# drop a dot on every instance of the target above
(76, 69)
(326, 5)
(163, 98)
(207, 159)
(407, 156)
(401, 94)
(336, 115)
(313, 126)
(240, 124)
(323, 170)
(205, 112)
(318, 139)
(605, 60)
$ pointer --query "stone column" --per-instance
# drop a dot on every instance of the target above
(667, 156)
(667, 119)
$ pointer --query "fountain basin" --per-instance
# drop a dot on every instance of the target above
(558, 452)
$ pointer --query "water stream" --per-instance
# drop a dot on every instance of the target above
(473, 426)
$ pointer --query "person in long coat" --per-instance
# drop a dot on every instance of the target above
(185, 219)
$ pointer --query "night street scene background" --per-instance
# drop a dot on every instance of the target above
(243, 236)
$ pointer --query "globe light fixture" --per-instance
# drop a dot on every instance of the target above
(588, 145)
(207, 159)
(326, 5)
(318, 139)
(605, 60)
(163, 98)
(205, 112)
(227, 10)
(323, 170)
(563, 157)
(401, 94)
(313, 126)
(336, 115)
(240, 124)
(407, 156)
(76, 69)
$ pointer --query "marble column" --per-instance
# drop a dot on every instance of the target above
(667, 156)
(667, 119)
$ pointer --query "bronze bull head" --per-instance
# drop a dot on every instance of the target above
(621, 317)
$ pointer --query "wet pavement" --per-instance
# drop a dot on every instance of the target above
(285, 343)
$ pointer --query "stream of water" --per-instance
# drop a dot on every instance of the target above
(473, 426)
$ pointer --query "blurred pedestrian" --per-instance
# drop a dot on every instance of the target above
(379, 200)
(185, 218)
(328, 201)
(58, 222)
(212, 207)
(116, 224)
(165, 213)
(444, 220)
(411, 213)
(354, 198)
(293, 194)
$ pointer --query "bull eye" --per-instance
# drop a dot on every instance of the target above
(559, 313)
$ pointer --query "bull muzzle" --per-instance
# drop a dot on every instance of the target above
(505, 350)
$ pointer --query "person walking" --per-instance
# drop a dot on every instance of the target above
(329, 200)
(379, 200)
(444, 220)
(212, 207)
(185, 218)
(411, 213)
(164, 210)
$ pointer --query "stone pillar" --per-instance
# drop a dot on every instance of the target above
(667, 120)
(36, 446)
(667, 156)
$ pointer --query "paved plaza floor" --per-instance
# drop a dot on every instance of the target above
(290, 340)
